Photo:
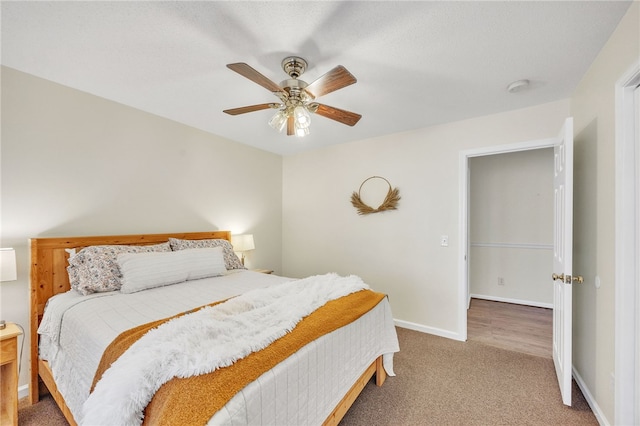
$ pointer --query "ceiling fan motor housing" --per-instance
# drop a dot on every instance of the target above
(293, 83)
(293, 93)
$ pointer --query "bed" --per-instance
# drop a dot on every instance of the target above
(315, 382)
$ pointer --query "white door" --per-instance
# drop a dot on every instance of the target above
(562, 257)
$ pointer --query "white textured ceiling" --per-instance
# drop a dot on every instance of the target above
(417, 63)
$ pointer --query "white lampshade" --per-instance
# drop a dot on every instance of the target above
(242, 243)
(8, 264)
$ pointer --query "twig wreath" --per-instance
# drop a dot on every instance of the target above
(389, 203)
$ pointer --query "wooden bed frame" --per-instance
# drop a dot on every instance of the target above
(49, 277)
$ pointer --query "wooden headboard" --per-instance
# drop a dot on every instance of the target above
(49, 273)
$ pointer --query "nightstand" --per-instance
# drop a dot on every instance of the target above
(263, 271)
(9, 374)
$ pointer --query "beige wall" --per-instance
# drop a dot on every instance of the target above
(76, 164)
(397, 252)
(593, 109)
(511, 226)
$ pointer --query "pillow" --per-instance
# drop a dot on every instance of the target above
(94, 269)
(230, 258)
(205, 262)
(142, 271)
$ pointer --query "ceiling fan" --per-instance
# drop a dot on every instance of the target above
(297, 98)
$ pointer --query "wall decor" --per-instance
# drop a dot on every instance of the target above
(390, 202)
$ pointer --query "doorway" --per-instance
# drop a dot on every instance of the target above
(511, 250)
(465, 220)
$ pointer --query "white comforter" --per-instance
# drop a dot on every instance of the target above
(74, 365)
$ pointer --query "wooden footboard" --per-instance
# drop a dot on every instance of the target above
(343, 406)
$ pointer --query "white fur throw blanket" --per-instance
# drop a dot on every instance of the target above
(203, 341)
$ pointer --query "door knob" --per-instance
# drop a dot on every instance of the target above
(568, 278)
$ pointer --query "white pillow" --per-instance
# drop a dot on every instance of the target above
(205, 262)
(141, 271)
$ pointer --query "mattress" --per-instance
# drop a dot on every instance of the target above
(302, 389)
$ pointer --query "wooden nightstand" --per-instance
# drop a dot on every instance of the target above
(9, 374)
(264, 271)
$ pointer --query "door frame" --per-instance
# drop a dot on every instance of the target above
(463, 222)
(627, 234)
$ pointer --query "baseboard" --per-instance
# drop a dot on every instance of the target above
(602, 419)
(23, 391)
(429, 330)
(514, 301)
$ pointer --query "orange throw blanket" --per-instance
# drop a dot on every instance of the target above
(194, 400)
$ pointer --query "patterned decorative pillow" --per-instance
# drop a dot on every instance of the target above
(95, 269)
(230, 259)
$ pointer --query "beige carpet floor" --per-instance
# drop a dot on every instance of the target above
(442, 382)
(445, 382)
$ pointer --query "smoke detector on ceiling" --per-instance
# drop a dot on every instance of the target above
(518, 86)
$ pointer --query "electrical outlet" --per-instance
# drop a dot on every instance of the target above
(500, 281)
(444, 241)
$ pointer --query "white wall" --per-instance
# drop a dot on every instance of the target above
(76, 164)
(397, 252)
(593, 109)
(511, 227)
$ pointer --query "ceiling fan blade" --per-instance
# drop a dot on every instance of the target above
(345, 117)
(335, 79)
(253, 75)
(291, 130)
(251, 108)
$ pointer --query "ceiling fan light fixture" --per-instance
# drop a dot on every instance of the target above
(278, 121)
(302, 131)
(302, 117)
